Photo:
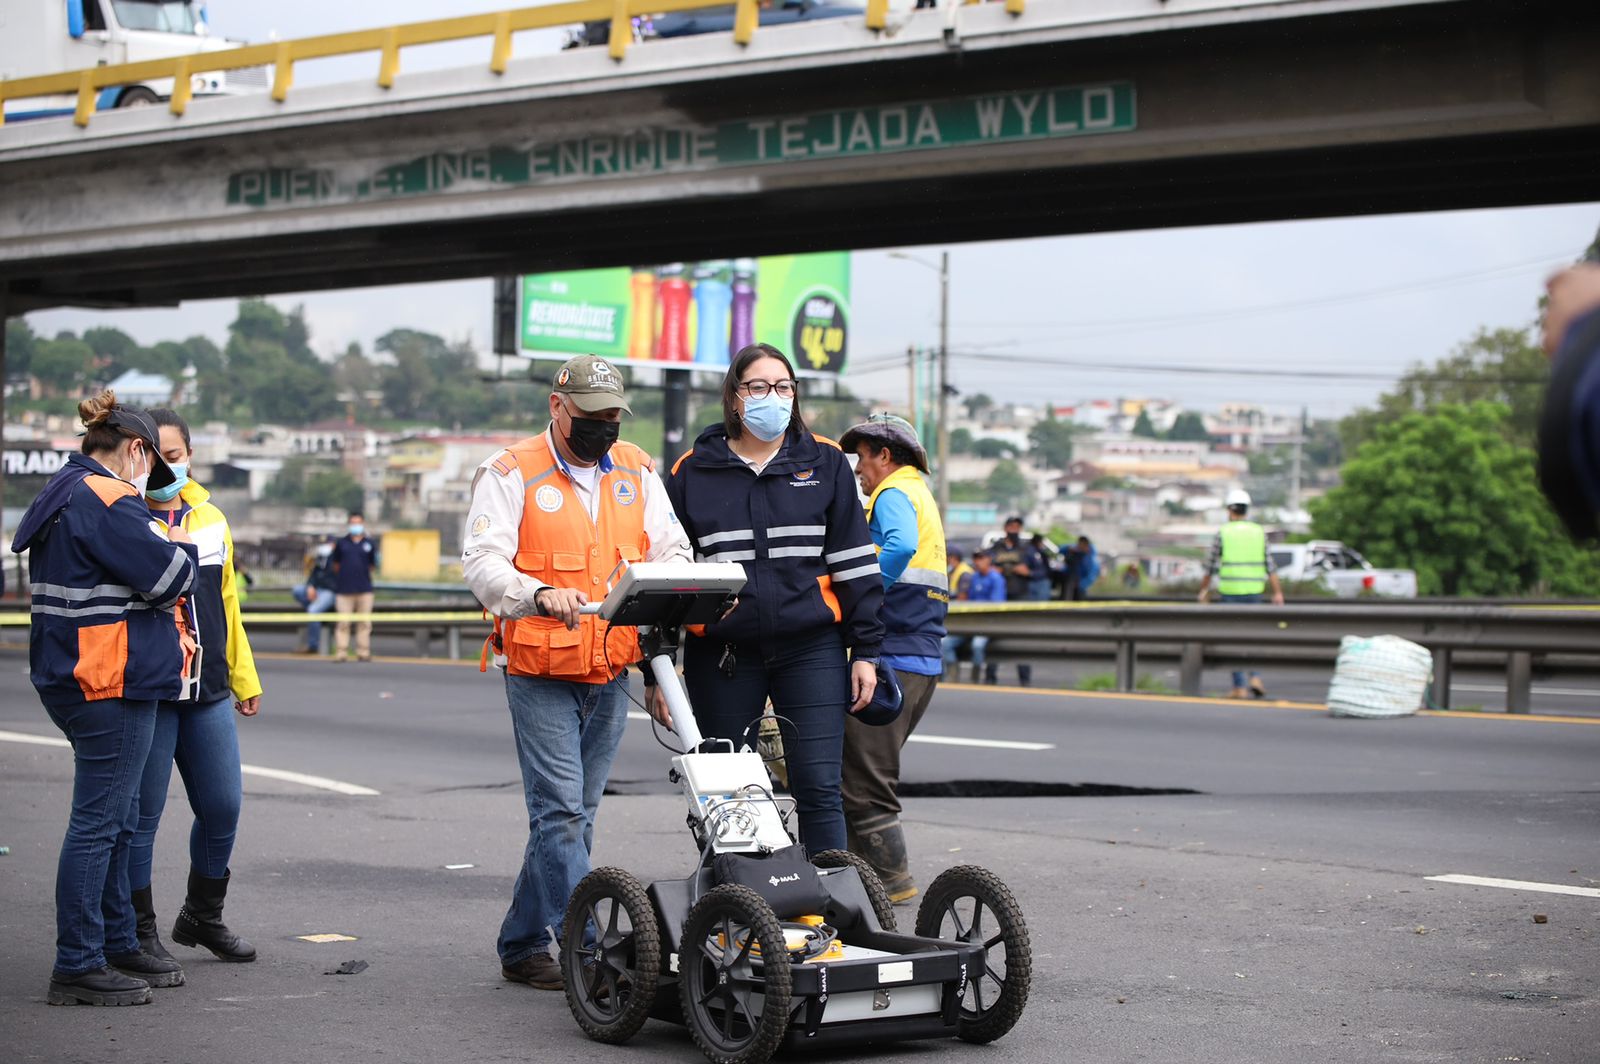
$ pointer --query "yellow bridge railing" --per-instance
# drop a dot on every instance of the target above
(282, 55)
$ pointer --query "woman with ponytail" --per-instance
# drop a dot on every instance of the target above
(200, 733)
(105, 647)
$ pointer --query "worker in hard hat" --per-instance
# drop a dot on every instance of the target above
(1243, 568)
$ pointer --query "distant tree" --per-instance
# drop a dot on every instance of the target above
(961, 441)
(1143, 427)
(1189, 427)
(21, 343)
(333, 489)
(354, 374)
(288, 485)
(63, 366)
(1108, 482)
(989, 447)
(1051, 443)
(1006, 485)
(272, 371)
(1499, 365)
(1447, 493)
(114, 347)
(977, 405)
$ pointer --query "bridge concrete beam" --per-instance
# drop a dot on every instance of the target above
(1361, 108)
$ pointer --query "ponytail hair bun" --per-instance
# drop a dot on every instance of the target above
(95, 411)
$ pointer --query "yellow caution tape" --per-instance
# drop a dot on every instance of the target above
(455, 617)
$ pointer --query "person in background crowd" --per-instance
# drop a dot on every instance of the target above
(1039, 580)
(244, 583)
(1085, 568)
(316, 594)
(552, 520)
(1132, 577)
(957, 572)
(104, 647)
(760, 489)
(984, 585)
(1569, 423)
(1017, 559)
(903, 520)
(1243, 567)
(354, 558)
(198, 732)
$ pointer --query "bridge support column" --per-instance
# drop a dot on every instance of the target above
(1127, 662)
(674, 416)
(452, 642)
(1190, 665)
(1519, 682)
(1441, 677)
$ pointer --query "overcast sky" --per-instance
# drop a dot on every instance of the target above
(1361, 295)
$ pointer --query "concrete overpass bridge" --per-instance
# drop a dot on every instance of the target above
(976, 123)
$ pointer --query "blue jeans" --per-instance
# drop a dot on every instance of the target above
(94, 912)
(315, 600)
(1241, 600)
(204, 740)
(808, 681)
(952, 643)
(1039, 588)
(567, 736)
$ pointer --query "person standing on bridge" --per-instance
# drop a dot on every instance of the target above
(760, 489)
(104, 647)
(1243, 567)
(903, 520)
(198, 732)
(553, 518)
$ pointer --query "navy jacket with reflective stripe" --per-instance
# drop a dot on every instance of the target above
(104, 587)
(798, 529)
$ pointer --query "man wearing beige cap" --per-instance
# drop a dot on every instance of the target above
(553, 520)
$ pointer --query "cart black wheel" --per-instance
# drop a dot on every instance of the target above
(610, 955)
(733, 976)
(970, 904)
(882, 907)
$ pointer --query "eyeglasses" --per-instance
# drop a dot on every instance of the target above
(761, 389)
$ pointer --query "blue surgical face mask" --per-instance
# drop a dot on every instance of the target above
(180, 470)
(768, 417)
(358, 530)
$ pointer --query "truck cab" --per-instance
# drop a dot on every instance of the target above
(55, 36)
(1340, 569)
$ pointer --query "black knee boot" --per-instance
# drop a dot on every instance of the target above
(200, 923)
(883, 844)
(149, 938)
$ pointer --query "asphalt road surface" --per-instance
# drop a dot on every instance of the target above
(1279, 912)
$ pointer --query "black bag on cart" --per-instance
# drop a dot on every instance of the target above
(785, 878)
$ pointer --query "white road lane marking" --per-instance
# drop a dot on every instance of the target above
(321, 783)
(1493, 689)
(1515, 884)
(944, 740)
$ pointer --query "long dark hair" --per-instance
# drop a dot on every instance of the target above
(730, 386)
(171, 418)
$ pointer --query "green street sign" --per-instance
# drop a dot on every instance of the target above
(929, 125)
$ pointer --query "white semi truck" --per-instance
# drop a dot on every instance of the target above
(55, 36)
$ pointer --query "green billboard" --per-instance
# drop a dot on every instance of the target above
(696, 314)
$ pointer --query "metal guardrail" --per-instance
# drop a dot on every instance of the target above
(388, 41)
(1518, 631)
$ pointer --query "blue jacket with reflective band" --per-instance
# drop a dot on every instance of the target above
(104, 587)
(912, 552)
(797, 528)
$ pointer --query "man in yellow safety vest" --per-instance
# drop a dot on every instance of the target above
(1243, 568)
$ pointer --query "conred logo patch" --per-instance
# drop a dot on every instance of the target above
(548, 498)
(624, 492)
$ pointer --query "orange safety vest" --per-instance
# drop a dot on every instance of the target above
(558, 544)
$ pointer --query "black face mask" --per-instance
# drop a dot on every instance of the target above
(591, 438)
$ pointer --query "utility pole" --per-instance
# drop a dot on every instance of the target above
(1294, 469)
(944, 382)
(913, 401)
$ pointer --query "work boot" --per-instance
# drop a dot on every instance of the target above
(1257, 688)
(882, 842)
(200, 923)
(149, 938)
(101, 986)
(1238, 692)
(540, 971)
(991, 673)
(147, 966)
(1024, 675)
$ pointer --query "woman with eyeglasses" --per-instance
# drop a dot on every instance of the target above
(761, 490)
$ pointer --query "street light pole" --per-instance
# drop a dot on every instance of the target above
(944, 383)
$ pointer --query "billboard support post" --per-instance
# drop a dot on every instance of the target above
(674, 416)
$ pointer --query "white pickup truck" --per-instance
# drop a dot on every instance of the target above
(1340, 569)
(53, 36)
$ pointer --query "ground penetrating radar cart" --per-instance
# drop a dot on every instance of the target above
(761, 947)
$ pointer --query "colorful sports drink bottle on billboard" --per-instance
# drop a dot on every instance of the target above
(642, 318)
(744, 306)
(673, 293)
(713, 298)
